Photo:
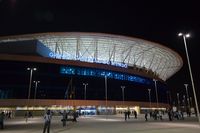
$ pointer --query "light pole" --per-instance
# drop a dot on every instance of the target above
(190, 70)
(191, 102)
(188, 100)
(170, 97)
(29, 89)
(85, 87)
(30, 80)
(155, 81)
(106, 97)
(149, 90)
(35, 93)
(184, 103)
(178, 101)
(36, 84)
(167, 97)
(123, 93)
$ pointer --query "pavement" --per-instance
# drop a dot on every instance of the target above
(103, 124)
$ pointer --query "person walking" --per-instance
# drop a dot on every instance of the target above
(128, 113)
(160, 115)
(64, 118)
(146, 115)
(169, 114)
(1, 120)
(47, 121)
(135, 114)
(74, 116)
(125, 115)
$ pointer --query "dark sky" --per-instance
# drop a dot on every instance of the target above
(158, 21)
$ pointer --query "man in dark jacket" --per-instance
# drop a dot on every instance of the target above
(1, 120)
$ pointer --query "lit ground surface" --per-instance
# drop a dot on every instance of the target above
(103, 124)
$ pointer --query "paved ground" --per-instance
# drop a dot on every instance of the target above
(103, 124)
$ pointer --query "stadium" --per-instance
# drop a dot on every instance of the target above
(96, 73)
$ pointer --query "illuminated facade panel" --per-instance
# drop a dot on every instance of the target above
(70, 70)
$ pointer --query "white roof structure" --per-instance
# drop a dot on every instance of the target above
(109, 49)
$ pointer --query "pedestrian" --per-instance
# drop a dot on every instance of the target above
(146, 115)
(135, 114)
(47, 121)
(182, 115)
(170, 115)
(64, 118)
(30, 114)
(128, 113)
(125, 115)
(9, 115)
(155, 114)
(1, 120)
(188, 112)
(160, 114)
(74, 116)
(150, 114)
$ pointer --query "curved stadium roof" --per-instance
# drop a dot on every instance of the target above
(107, 48)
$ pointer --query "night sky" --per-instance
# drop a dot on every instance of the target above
(157, 21)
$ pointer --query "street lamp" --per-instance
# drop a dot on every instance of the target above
(155, 81)
(149, 90)
(188, 100)
(85, 87)
(36, 84)
(123, 93)
(188, 61)
(29, 89)
(30, 80)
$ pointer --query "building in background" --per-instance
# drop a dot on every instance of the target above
(86, 71)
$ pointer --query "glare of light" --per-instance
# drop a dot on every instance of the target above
(180, 34)
(34, 69)
(187, 35)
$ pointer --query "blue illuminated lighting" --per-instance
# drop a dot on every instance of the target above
(70, 70)
(69, 57)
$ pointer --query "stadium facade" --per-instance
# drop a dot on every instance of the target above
(93, 72)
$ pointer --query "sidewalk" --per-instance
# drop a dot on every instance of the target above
(103, 124)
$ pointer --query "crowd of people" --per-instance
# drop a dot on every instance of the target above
(72, 115)
(128, 113)
(158, 114)
(64, 119)
(3, 116)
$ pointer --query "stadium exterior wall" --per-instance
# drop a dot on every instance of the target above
(8, 57)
